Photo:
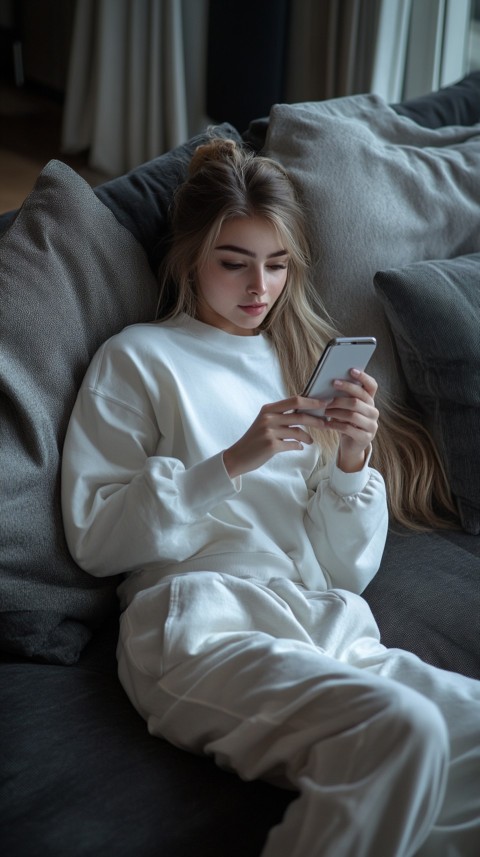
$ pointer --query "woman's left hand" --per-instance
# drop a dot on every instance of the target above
(354, 416)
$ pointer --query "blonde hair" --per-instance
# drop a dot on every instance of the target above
(226, 181)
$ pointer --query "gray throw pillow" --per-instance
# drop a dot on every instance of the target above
(70, 276)
(380, 192)
(434, 311)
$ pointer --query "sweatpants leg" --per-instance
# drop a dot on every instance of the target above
(237, 670)
(456, 832)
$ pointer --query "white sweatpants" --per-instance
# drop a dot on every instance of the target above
(291, 686)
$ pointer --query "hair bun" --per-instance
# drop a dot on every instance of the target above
(216, 150)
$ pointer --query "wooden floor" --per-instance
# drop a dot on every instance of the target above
(30, 136)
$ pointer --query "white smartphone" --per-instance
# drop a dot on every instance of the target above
(339, 357)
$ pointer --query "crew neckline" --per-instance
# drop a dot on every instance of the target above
(216, 336)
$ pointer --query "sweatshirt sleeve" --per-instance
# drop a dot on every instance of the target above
(347, 522)
(124, 506)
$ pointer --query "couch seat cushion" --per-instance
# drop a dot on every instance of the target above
(80, 775)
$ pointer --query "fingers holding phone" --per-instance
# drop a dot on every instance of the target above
(353, 414)
(337, 396)
(354, 402)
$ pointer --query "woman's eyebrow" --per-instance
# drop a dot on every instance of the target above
(245, 252)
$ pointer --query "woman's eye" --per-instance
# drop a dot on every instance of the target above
(237, 266)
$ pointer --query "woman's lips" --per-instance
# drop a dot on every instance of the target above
(253, 309)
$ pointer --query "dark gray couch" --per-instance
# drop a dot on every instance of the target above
(79, 774)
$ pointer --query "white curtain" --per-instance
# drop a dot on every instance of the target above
(136, 79)
(396, 48)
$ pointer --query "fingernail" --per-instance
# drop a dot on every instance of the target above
(356, 372)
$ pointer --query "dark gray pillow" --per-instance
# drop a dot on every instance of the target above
(434, 312)
(141, 199)
(70, 276)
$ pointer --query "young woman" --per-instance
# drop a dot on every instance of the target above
(246, 535)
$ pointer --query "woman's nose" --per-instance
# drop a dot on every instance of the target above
(257, 282)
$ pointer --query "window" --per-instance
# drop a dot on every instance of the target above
(423, 45)
(473, 40)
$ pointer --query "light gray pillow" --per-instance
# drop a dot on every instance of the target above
(434, 311)
(70, 276)
(380, 192)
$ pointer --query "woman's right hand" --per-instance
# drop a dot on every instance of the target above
(276, 429)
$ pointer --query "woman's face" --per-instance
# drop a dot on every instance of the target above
(244, 275)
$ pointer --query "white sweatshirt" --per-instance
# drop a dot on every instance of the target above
(145, 490)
